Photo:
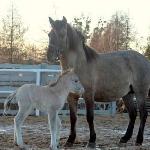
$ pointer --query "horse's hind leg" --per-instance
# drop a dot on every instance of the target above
(129, 103)
(73, 101)
(140, 98)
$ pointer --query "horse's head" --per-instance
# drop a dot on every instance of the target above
(57, 39)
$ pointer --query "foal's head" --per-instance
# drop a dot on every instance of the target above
(70, 80)
(73, 82)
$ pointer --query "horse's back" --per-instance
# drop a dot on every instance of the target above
(128, 59)
(116, 72)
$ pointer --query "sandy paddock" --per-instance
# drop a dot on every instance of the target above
(108, 129)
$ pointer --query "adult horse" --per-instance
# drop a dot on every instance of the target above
(105, 77)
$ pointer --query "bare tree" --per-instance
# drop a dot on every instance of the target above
(115, 35)
(147, 48)
(83, 24)
(12, 35)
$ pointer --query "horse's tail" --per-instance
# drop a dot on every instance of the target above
(7, 102)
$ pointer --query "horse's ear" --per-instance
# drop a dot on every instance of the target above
(64, 19)
(51, 22)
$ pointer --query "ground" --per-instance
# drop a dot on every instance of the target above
(108, 129)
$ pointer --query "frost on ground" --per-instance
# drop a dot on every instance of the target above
(109, 130)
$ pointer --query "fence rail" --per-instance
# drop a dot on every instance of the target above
(13, 76)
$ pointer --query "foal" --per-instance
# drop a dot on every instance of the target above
(49, 98)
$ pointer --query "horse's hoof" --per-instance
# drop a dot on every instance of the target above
(138, 144)
(68, 144)
(122, 141)
(91, 145)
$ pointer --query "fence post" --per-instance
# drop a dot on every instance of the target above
(38, 79)
(113, 108)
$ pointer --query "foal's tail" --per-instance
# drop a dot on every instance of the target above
(8, 102)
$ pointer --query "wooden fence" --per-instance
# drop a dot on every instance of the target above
(13, 76)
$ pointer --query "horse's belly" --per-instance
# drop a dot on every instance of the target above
(110, 95)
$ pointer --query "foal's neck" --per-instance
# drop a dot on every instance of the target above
(61, 88)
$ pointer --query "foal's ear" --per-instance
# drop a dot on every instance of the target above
(64, 19)
(71, 69)
(51, 22)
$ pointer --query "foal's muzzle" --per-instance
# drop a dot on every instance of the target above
(80, 91)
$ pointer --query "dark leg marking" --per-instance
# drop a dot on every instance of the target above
(90, 119)
(143, 116)
(73, 101)
(129, 103)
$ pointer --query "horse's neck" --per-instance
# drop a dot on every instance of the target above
(63, 63)
(73, 59)
(75, 53)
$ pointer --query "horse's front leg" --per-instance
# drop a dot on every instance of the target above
(73, 101)
(90, 118)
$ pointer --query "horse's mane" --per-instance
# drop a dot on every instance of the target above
(59, 78)
(90, 53)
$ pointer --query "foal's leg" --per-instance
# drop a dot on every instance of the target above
(53, 128)
(58, 129)
(90, 118)
(18, 121)
(73, 101)
(140, 98)
(129, 103)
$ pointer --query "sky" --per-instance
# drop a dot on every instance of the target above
(35, 13)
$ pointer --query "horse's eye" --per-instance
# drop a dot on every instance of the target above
(61, 35)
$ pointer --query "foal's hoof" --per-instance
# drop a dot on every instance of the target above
(91, 145)
(68, 144)
(25, 147)
(53, 148)
(15, 143)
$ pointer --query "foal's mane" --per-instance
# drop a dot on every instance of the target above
(90, 53)
(59, 78)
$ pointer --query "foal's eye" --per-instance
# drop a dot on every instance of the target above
(76, 81)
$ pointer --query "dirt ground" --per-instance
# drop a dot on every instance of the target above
(108, 129)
